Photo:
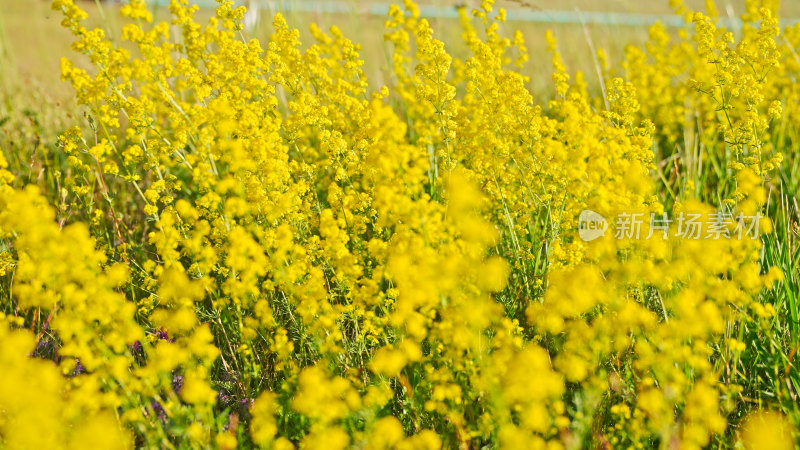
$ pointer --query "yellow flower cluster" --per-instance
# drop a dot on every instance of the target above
(264, 250)
(716, 94)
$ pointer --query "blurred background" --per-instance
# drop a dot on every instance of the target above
(32, 40)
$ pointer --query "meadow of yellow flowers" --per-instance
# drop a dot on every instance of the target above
(246, 244)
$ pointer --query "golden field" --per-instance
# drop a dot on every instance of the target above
(353, 230)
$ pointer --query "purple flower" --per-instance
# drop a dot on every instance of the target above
(40, 347)
(79, 369)
(159, 410)
(164, 335)
(223, 398)
(177, 382)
